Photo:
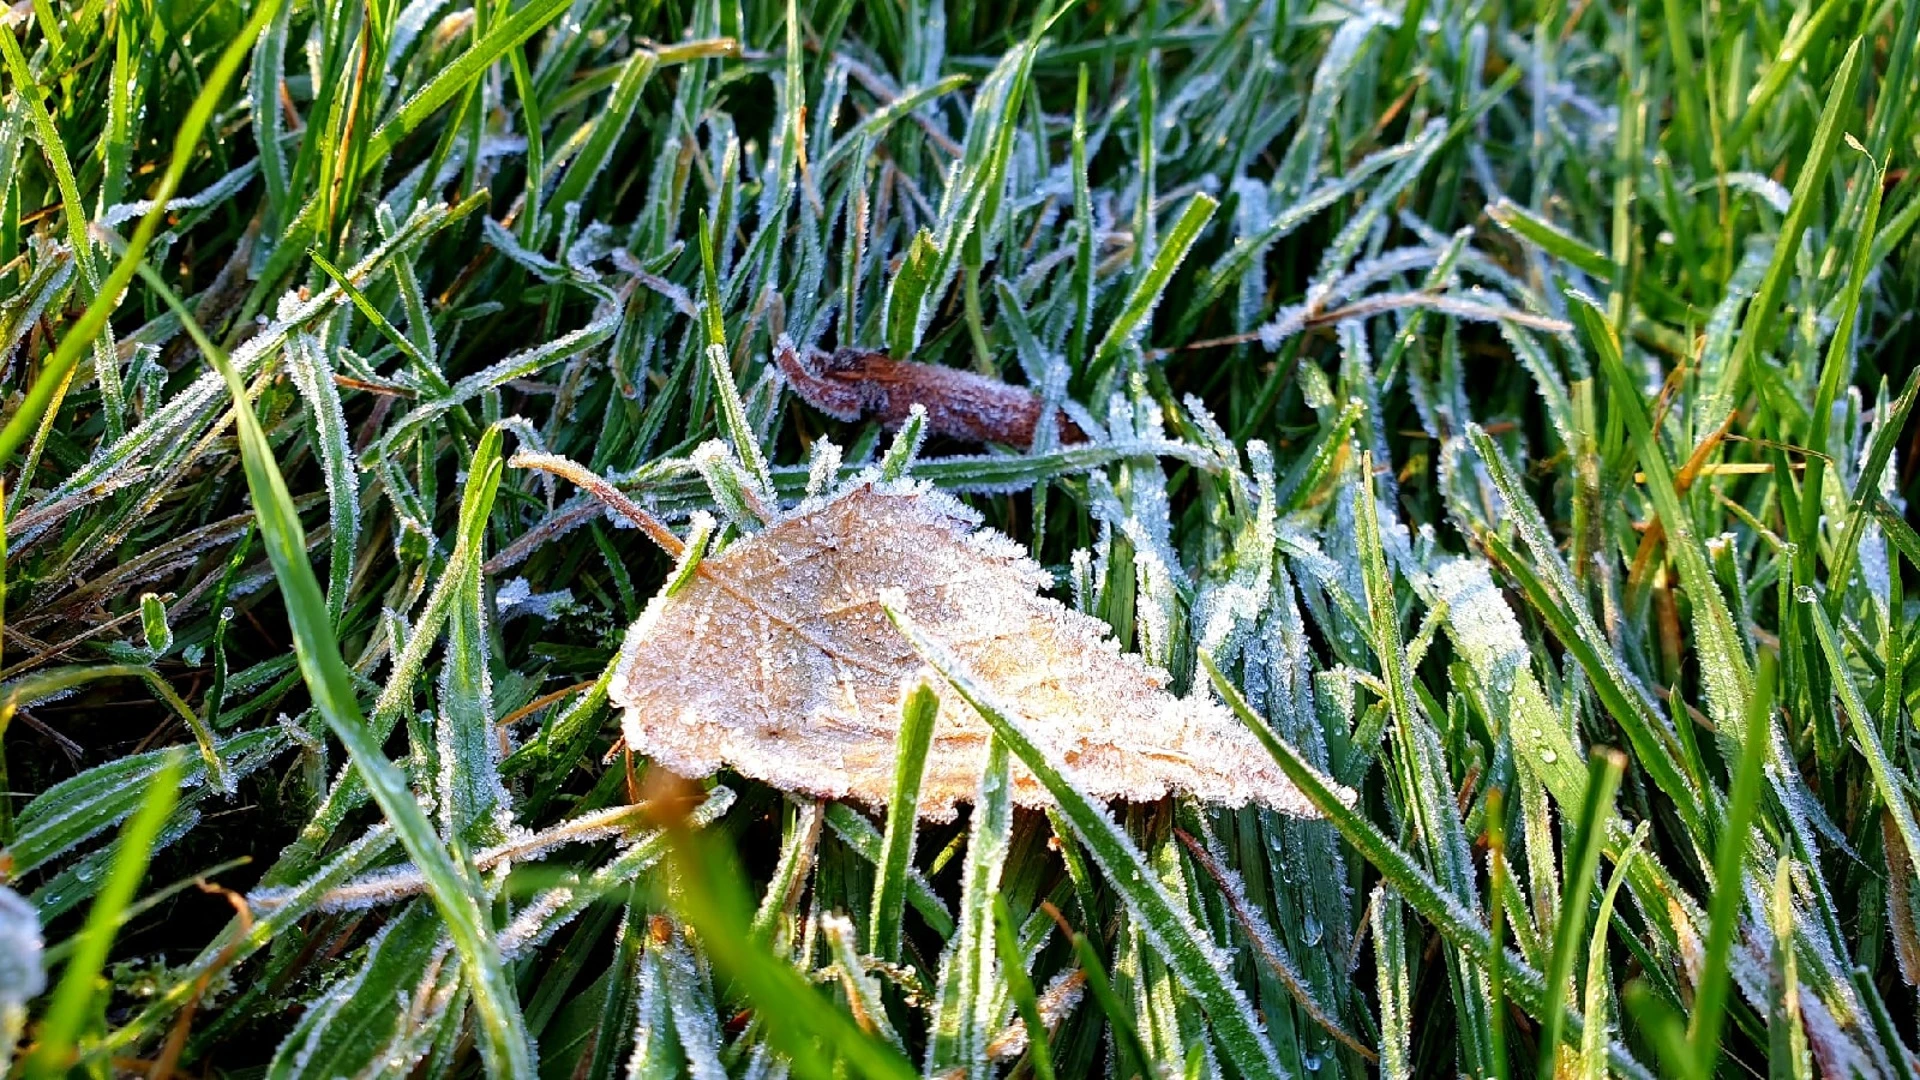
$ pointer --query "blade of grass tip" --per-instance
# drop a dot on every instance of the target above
(1148, 288)
(965, 1014)
(1866, 486)
(1126, 1040)
(898, 460)
(1729, 879)
(503, 1038)
(267, 119)
(918, 710)
(1187, 951)
(711, 897)
(313, 376)
(475, 807)
(73, 998)
(1807, 190)
(1013, 967)
(1723, 660)
(863, 992)
(1838, 362)
(1080, 285)
(457, 76)
(1525, 986)
(79, 337)
(733, 415)
(1604, 770)
(1786, 1038)
(1593, 1043)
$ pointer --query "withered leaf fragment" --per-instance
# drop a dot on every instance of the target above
(848, 384)
(778, 661)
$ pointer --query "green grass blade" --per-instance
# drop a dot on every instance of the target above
(1729, 879)
(1527, 986)
(474, 806)
(93, 321)
(1145, 294)
(1888, 783)
(1593, 1055)
(1589, 836)
(1394, 978)
(1134, 1060)
(503, 1042)
(1013, 967)
(733, 415)
(918, 710)
(1807, 191)
(967, 1009)
(1723, 661)
(801, 1023)
(1839, 356)
(611, 122)
(1782, 68)
(1866, 487)
(455, 78)
(74, 997)
(867, 842)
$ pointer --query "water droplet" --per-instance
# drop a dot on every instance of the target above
(1805, 594)
(1549, 756)
(1312, 931)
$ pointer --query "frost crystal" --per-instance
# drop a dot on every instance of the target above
(778, 661)
(517, 597)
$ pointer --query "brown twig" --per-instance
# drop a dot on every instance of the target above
(603, 490)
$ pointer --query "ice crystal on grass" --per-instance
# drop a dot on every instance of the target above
(778, 661)
(516, 598)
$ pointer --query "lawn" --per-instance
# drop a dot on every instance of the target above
(1491, 421)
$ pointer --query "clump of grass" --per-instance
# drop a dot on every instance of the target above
(1502, 408)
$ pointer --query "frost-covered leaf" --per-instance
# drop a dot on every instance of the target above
(778, 661)
(848, 384)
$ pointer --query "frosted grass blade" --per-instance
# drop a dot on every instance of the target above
(919, 709)
(504, 1043)
(73, 995)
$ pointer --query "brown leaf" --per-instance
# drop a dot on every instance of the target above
(777, 660)
(848, 384)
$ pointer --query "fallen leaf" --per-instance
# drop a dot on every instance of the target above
(848, 384)
(777, 660)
